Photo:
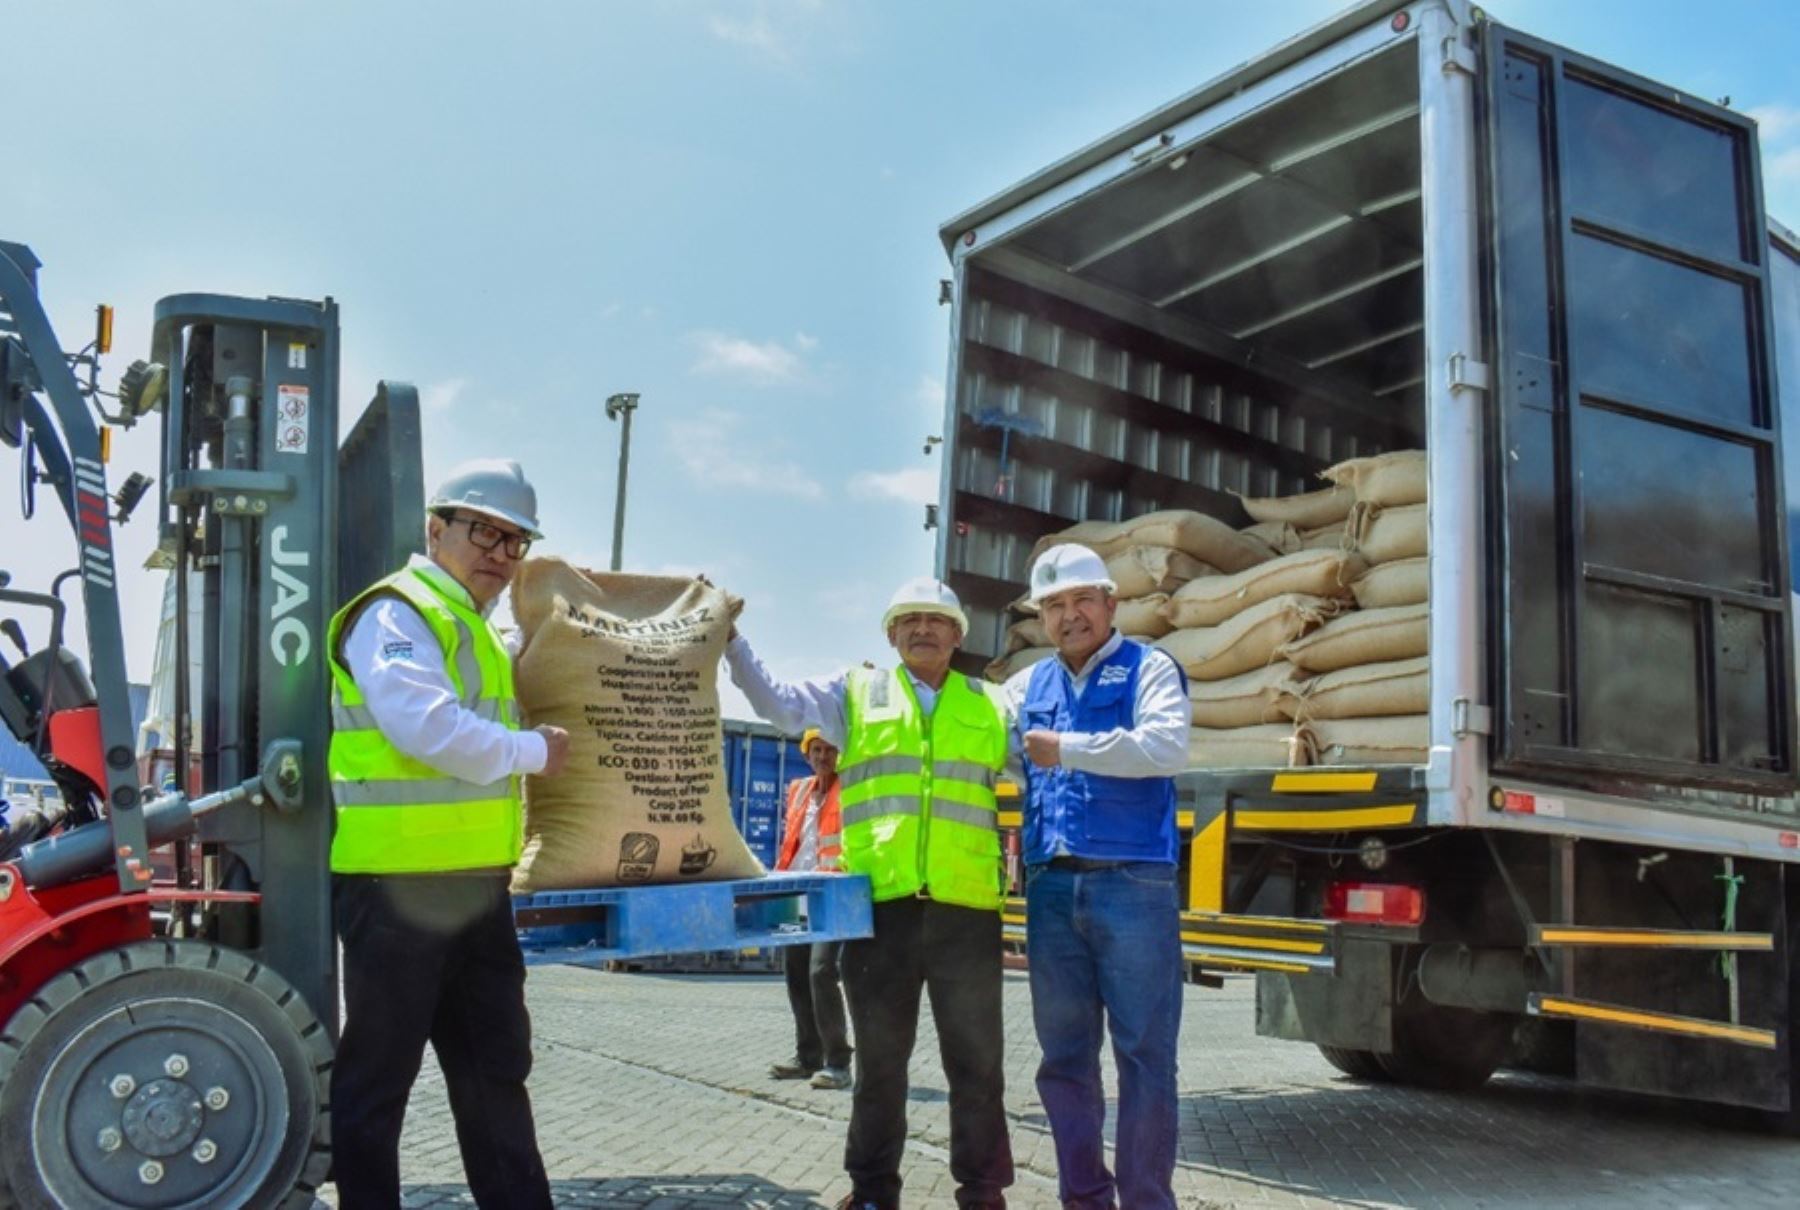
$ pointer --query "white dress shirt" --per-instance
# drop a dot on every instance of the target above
(1155, 746)
(399, 667)
(815, 702)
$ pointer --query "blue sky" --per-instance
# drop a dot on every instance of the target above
(728, 207)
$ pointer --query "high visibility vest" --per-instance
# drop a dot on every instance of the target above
(397, 814)
(800, 790)
(919, 816)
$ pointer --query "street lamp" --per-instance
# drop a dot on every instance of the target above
(617, 406)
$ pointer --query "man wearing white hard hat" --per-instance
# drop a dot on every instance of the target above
(922, 747)
(1104, 729)
(425, 760)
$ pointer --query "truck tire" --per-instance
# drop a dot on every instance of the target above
(164, 1074)
(1454, 1049)
(1357, 1064)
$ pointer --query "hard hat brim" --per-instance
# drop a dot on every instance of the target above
(499, 514)
(943, 611)
(1038, 598)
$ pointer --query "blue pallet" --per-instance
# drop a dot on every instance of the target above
(636, 922)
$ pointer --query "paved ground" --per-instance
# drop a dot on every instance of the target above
(651, 1093)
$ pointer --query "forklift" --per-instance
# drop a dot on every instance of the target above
(168, 1025)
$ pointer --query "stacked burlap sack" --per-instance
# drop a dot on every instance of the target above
(1148, 558)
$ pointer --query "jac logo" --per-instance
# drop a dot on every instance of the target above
(289, 637)
(1113, 674)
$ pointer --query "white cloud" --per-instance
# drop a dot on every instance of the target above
(771, 30)
(733, 356)
(805, 343)
(1782, 167)
(441, 396)
(712, 451)
(1776, 122)
(913, 486)
(754, 33)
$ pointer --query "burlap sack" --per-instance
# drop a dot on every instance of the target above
(1139, 571)
(1249, 640)
(1363, 691)
(1283, 538)
(1143, 617)
(1364, 636)
(1385, 480)
(1260, 696)
(1402, 582)
(1028, 633)
(1210, 600)
(629, 666)
(1274, 746)
(1384, 535)
(1405, 740)
(1003, 668)
(1205, 538)
(1326, 537)
(1308, 510)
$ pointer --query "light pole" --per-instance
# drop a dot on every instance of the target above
(617, 406)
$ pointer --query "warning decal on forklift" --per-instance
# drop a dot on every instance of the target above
(296, 355)
(293, 424)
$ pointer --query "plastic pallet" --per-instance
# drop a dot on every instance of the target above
(584, 926)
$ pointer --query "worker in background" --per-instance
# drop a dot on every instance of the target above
(1104, 729)
(809, 843)
(921, 748)
(426, 756)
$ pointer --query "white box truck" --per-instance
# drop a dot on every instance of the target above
(1414, 228)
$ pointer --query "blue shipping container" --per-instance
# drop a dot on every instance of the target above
(759, 763)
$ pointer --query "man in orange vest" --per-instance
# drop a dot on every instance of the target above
(809, 843)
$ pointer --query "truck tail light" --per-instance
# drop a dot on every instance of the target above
(1374, 903)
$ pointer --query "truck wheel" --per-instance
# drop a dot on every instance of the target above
(1448, 1048)
(164, 1074)
(1357, 1064)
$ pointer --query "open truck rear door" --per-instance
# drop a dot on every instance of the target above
(1640, 603)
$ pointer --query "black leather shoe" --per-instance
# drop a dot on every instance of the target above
(790, 1069)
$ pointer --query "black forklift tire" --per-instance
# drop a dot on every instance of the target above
(164, 1074)
(1453, 1049)
(1357, 1064)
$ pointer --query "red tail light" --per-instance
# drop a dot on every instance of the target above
(1374, 903)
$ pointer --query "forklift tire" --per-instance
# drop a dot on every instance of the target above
(1357, 1064)
(1453, 1049)
(164, 1074)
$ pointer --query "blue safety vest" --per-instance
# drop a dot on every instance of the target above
(1068, 812)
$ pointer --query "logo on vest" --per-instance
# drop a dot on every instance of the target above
(637, 856)
(878, 694)
(1112, 674)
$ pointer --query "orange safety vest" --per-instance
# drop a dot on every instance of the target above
(799, 790)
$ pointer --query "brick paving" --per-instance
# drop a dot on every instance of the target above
(651, 1092)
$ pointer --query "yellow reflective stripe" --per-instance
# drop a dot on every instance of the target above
(1635, 938)
(956, 812)
(1217, 920)
(1260, 964)
(1318, 783)
(1206, 867)
(1255, 943)
(1397, 816)
(407, 792)
(1588, 1010)
(1012, 819)
(889, 804)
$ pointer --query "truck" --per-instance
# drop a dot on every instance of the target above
(168, 971)
(1413, 227)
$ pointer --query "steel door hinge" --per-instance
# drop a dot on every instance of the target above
(1467, 374)
(1458, 58)
(1466, 718)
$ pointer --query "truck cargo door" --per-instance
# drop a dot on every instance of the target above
(1640, 582)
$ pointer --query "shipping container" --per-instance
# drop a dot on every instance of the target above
(1412, 227)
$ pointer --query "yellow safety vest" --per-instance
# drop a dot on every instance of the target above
(919, 816)
(397, 814)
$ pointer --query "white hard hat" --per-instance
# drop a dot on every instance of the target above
(925, 595)
(494, 486)
(1069, 566)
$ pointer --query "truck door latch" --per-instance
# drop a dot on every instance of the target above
(1467, 374)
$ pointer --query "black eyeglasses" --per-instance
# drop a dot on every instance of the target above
(486, 536)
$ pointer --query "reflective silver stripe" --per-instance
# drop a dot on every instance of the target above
(407, 792)
(963, 770)
(359, 718)
(875, 808)
(880, 766)
(975, 817)
(468, 666)
(829, 840)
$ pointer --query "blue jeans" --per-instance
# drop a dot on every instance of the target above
(1108, 943)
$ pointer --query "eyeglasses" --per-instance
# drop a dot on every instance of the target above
(486, 536)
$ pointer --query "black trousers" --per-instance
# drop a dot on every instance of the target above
(953, 955)
(433, 958)
(821, 1031)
